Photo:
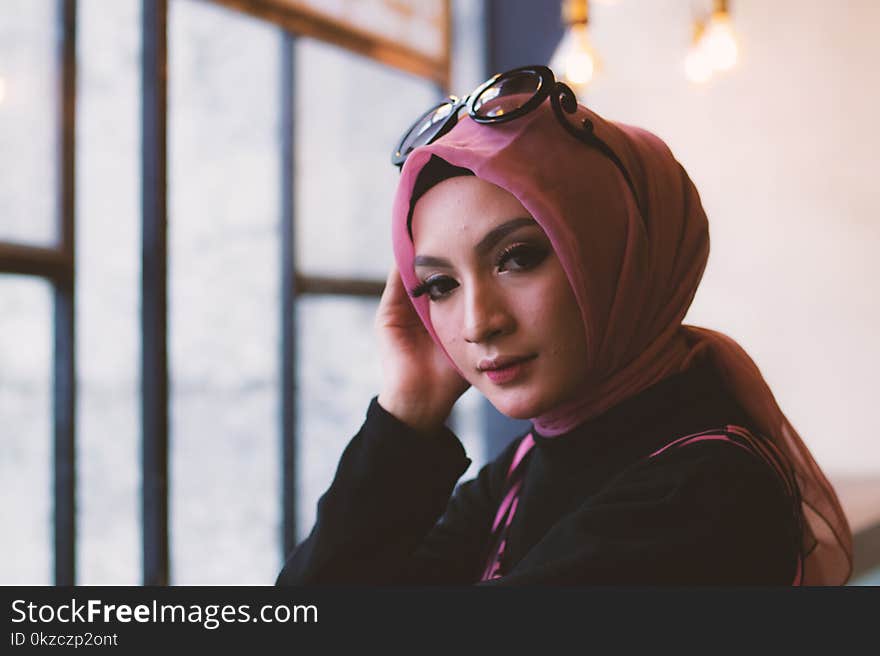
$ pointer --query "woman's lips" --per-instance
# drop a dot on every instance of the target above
(508, 371)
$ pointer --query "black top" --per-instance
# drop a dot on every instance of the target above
(592, 510)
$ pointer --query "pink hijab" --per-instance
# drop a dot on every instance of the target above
(634, 274)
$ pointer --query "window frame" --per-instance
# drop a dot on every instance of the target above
(57, 265)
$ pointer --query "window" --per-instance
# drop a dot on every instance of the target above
(108, 433)
(224, 215)
(236, 107)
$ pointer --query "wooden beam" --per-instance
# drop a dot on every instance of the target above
(301, 21)
(50, 263)
(338, 286)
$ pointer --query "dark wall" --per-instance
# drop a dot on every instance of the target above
(521, 32)
(518, 33)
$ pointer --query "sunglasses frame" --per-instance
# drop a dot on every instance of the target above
(562, 99)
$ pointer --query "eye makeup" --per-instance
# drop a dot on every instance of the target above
(518, 257)
(435, 286)
(523, 255)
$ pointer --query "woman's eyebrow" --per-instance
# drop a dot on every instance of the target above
(485, 245)
(431, 261)
(498, 233)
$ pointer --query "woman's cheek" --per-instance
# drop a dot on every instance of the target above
(447, 332)
(440, 322)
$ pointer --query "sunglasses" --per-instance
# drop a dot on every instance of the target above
(501, 98)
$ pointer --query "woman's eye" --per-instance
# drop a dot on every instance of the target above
(521, 257)
(436, 288)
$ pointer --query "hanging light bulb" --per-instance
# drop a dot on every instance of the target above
(697, 66)
(575, 60)
(719, 41)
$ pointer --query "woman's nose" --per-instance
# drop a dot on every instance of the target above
(486, 314)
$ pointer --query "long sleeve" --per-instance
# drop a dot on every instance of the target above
(389, 515)
(593, 507)
(710, 513)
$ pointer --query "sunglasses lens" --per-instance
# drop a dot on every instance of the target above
(424, 129)
(508, 94)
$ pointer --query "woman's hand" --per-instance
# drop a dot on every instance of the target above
(419, 384)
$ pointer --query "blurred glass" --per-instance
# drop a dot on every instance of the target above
(350, 113)
(29, 121)
(869, 578)
(224, 200)
(337, 375)
(418, 24)
(26, 550)
(108, 290)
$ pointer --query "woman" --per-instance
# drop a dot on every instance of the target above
(547, 257)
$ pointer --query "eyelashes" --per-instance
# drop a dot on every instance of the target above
(431, 285)
(515, 258)
(524, 256)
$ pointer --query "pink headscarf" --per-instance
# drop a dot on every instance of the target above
(633, 273)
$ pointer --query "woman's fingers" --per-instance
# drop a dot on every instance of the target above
(392, 282)
(387, 300)
(395, 308)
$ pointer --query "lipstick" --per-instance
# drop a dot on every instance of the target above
(508, 373)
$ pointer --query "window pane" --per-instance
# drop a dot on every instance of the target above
(417, 24)
(26, 556)
(223, 279)
(108, 288)
(468, 45)
(871, 577)
(29, 120)
(338, 373)
(350, 113)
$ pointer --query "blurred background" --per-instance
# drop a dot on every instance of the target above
(194, 219)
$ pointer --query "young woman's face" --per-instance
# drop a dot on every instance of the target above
(499, 299)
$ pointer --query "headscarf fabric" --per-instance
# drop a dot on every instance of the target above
(634, 265)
